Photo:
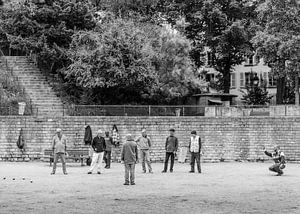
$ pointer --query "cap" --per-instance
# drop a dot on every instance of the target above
(143, 130)
(58, 130)
(194, 132)
(172, 130)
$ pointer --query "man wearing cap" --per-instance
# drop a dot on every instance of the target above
(171, 148)
(279, 159)
(144, 143)
(195, 149)
(59, 147)
(107, 153)
(99, 146)
(129, 155)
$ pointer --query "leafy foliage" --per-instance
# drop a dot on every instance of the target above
(256, 95)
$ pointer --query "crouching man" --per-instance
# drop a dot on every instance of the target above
(129, 156)
(279, 160)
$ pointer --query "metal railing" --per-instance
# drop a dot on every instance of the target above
(183, 110)
(133, 110)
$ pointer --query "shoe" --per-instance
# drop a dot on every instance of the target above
(108, 167)
(151, 172)
(89, 173)
(144, 171)
(98, 173)
(65, 173)
(105, 167)
(171, 170)
(200, 172)
(132, 183)
(126, 183)
(163, 171)
(52, 173)
(191, 171)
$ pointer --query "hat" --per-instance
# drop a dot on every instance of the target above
(194, 132)
(172, 130)
(129, 137)
(58, 130)
(143, 130)
(99, 131)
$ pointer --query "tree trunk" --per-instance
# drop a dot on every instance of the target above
(280, 90)
(297, 88)
(226, 81)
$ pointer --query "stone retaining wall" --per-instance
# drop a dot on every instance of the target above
(229, 139)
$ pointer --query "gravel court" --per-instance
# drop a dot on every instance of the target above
(221, 188)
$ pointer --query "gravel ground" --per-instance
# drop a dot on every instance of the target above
(221, 188)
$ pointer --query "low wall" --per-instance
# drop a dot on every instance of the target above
(224, 138)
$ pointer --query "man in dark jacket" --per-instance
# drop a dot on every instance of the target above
(279, 159)
(107, 153)
(99, 146)
(129, 156)
(171, 148)
(195, 149)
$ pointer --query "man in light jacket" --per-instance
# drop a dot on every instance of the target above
(59, 147)
(144, 143)
(129, 156)
(195, 150)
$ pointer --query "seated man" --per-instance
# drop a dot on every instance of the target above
(279, 160)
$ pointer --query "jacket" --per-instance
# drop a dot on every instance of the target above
(108, 143)
(278, 156)
(98, 144)
(171, 144)
(144, 143)
(198, 146)
(129, 152)
(59, 145)
(88, 137)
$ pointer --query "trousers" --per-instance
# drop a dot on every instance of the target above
(129, 172)
(63, 161)
(97, 161)
(195, 156)
(145, 156)
(168, 155)
(107, 158)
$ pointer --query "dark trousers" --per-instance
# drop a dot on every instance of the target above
(63, 161)
(168, 155)
(195, 156)
(129, 171)
(107, 158)
(276, 168)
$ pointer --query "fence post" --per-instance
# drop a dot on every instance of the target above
(149, 110)
(182, 110)
(124, 110)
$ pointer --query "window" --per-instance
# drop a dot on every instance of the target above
(210, 77)
(242, 79)
(232, 80)
(272, 81)
(247, 79)
(249, 61)
(209, 59)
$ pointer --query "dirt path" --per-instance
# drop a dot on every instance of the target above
(222, 188)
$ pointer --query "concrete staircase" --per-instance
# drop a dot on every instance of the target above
(43, 97)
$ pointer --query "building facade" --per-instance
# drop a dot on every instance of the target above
(242, 75)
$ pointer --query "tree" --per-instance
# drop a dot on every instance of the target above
(257, 95)
(128, 62)
(277, 40)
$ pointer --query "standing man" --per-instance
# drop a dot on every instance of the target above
(59, 147)
(279, 159)
(144, 143)
(99, 146)
(195, 149)
(171, 149)
(107, 153)
(129, 156)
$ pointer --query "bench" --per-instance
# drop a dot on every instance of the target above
(75, 154)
